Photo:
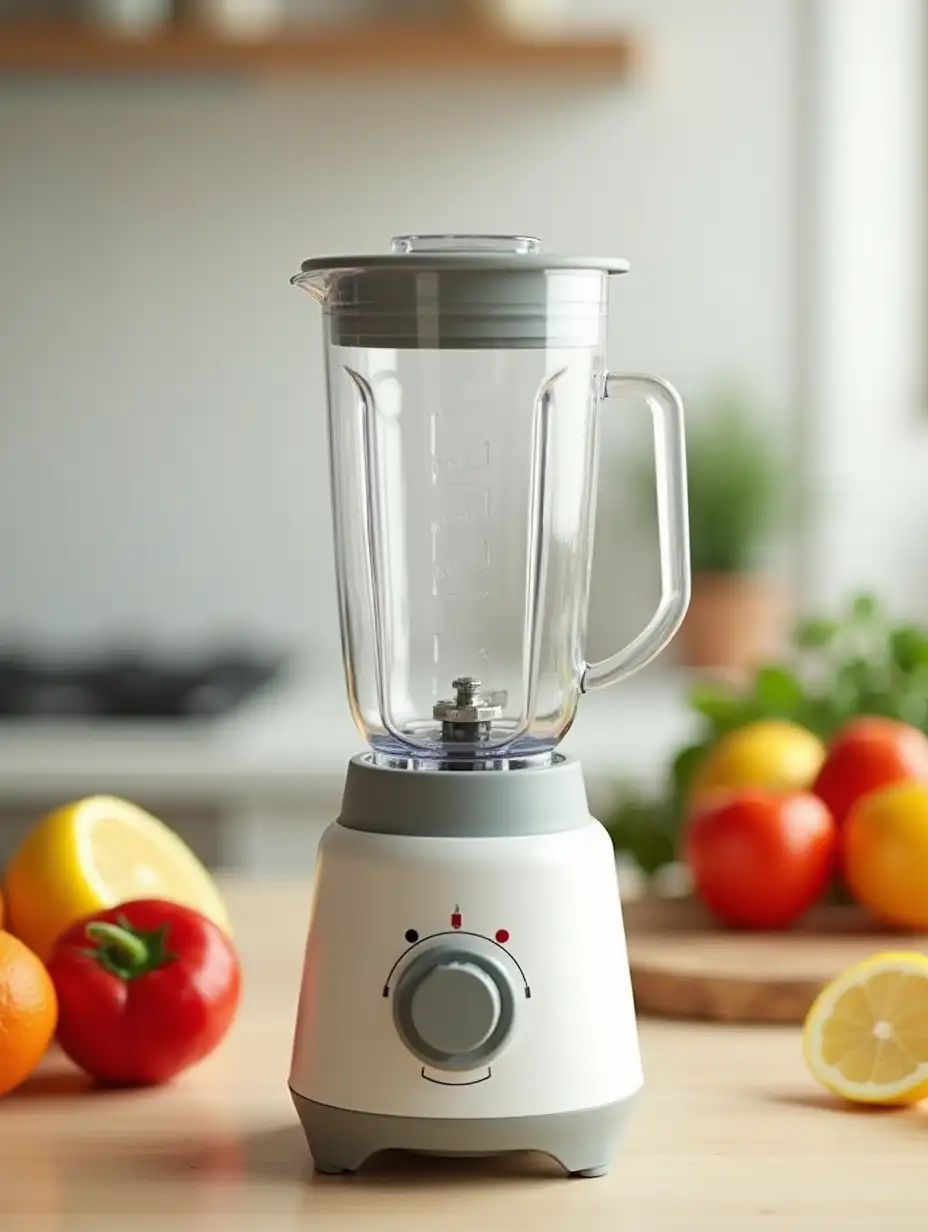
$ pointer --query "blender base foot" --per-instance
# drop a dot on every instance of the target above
(341, 1140)
(325, 1168)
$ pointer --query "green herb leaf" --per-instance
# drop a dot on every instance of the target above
(913, 708)
(683, 768)
(712, 701)
(778, 692)
(645, 830)
(864, 608)
(823, 715)
(908, 648)
(815, 633)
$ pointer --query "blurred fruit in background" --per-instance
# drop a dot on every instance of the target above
(885, 854)
(843, 721)
(769, 753)
(857, 664)
(95, 854)
(760, 858)
(866, 754)
(865, 1037)
(28, 1012)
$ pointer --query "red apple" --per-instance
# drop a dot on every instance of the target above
(866, 754)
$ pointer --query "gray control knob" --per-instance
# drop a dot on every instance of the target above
(454, 1009)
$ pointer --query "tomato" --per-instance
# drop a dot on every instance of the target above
(760, 858)
(144, 990)
(866, 754)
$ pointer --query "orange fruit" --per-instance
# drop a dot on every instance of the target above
(1, 910)
(885, 854)
(28, 1011)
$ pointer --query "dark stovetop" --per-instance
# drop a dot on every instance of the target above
(130, 686)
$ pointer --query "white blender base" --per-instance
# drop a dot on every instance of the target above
(466, 988)
(583, 1143)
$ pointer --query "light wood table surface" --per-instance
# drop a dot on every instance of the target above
(730, 1134)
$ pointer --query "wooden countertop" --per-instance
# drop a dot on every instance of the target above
(730, 1134)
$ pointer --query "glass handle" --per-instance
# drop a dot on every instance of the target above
(673, 529)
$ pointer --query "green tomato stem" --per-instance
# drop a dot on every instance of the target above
(127, 952)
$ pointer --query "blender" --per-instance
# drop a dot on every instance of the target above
(466, 988)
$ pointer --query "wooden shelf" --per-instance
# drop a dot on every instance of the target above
(30, 48)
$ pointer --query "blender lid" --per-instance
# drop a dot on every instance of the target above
(462, 292)
(494, 253)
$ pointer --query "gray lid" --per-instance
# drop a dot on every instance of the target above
(462, 292)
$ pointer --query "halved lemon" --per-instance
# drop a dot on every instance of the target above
(97, 853)
(866, 1035)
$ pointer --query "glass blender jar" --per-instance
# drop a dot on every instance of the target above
(465, 376)
(466, 987)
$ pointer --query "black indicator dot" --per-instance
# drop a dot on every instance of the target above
(412, 936)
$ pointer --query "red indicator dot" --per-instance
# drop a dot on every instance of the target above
(456, 920)
(502, 936)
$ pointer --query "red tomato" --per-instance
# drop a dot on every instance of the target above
(866, 754)
(145, 990)
(760, 858)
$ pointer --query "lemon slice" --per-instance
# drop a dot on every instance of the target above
(866, 1035)
(94, 854)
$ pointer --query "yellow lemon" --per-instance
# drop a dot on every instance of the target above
(866, 1035)
(768, 753)
(97, 853)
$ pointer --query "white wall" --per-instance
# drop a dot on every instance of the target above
(161, 433)
(866, 450)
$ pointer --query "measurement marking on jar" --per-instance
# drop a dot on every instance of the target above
(452, 570)
(463, 518)
(462, 463)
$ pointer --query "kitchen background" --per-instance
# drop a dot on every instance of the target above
(163, 482)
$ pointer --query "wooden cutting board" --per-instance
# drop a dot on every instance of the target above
(685, 966)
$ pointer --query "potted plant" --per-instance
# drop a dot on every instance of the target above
(736, 616)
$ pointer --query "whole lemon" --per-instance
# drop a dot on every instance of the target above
(772, 753)
(885, 854)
